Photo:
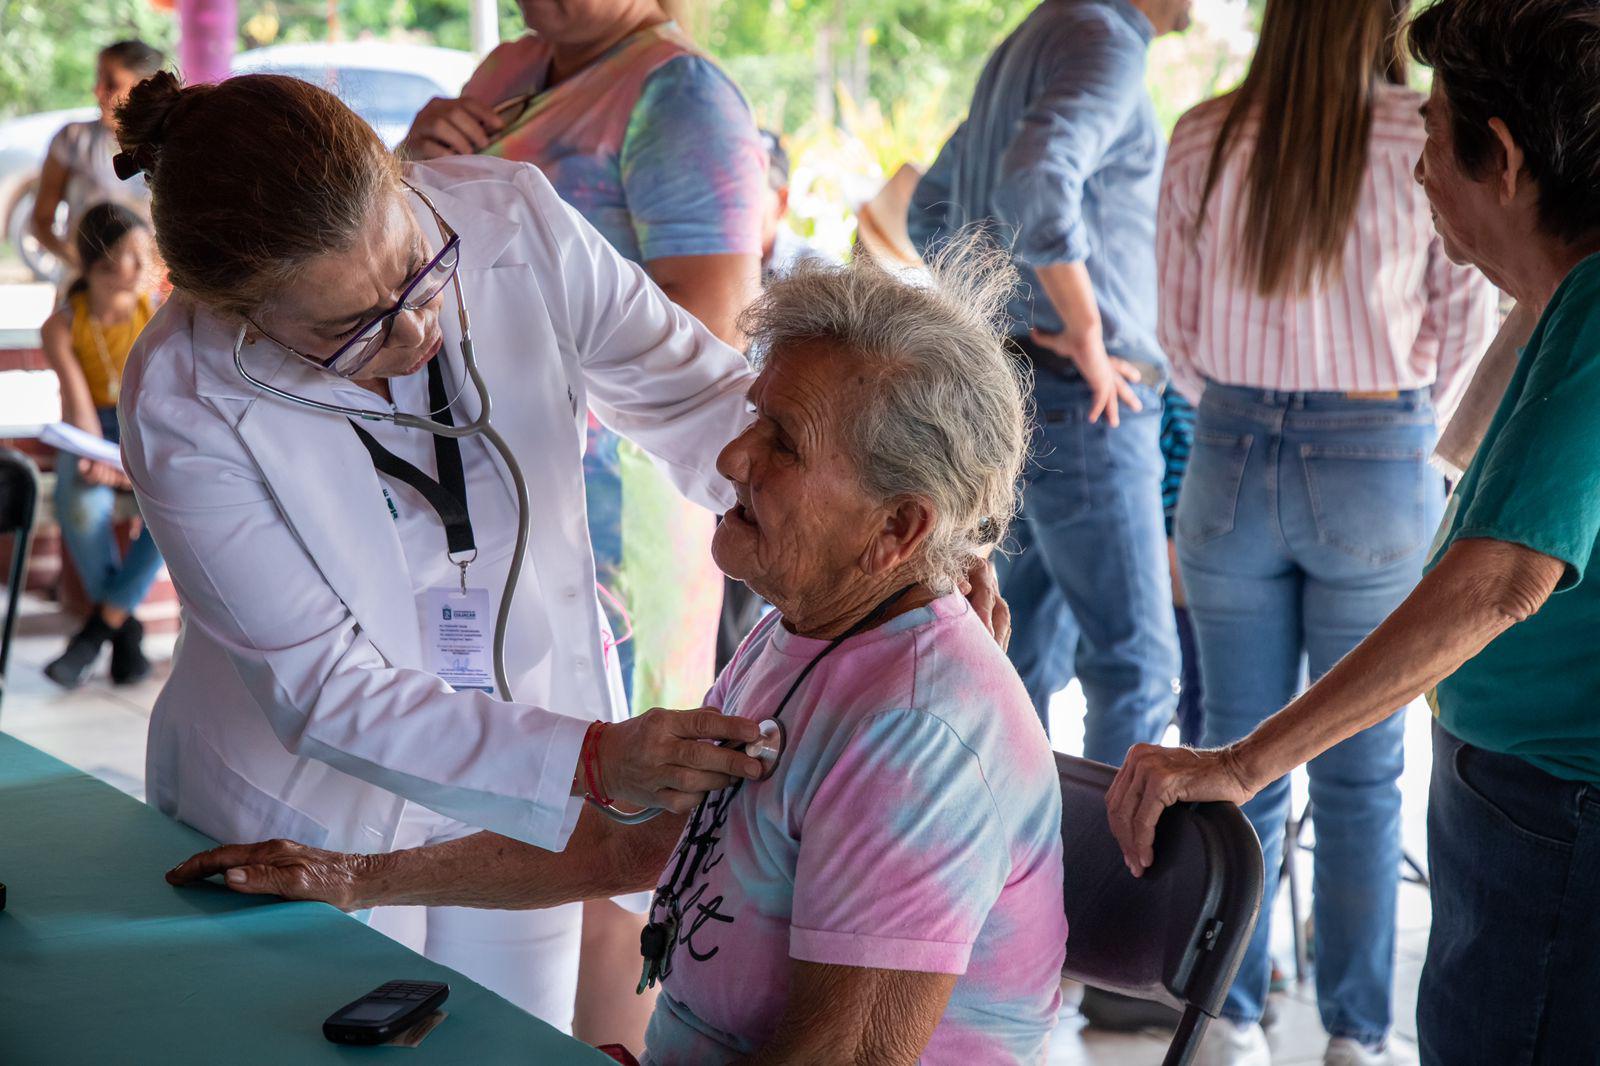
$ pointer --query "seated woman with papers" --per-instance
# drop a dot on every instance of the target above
(87, 341)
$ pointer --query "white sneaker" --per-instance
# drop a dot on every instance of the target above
(1342, 1051)
(1228, 1044)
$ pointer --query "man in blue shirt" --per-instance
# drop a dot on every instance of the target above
(1060, 158)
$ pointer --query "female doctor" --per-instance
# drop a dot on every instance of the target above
(330, 685)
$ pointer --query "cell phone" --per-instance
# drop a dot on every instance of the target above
(385, 1012)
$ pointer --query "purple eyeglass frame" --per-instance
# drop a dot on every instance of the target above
(372, 345)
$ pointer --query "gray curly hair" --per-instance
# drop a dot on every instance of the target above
(946, 415)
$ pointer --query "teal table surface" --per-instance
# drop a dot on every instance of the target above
(101, 961)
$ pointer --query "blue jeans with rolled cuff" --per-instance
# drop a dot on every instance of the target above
(1304, 520)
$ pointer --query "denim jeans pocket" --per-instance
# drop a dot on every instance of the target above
(1532, 813)
(1209, 499)
(1058, 477)
(1368, 502)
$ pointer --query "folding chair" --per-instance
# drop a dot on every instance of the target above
(19, 507)
(1175, 935)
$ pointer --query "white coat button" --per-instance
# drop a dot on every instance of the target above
(570, 593)
(581, 661)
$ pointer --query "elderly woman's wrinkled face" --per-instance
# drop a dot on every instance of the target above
(803, 523)
(334, 295)
(1461, 204)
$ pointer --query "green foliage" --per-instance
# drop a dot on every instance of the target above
(48, 56)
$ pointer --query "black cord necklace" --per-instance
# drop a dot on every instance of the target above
(659, 939)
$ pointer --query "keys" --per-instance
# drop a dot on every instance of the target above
(655, 944)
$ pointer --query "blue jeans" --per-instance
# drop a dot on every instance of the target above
(1303, 522)
(86, 514)
(1514, 956)
(1089, 588)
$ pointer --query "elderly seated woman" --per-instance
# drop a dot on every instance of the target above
(893, 891)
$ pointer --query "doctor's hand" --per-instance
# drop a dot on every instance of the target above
(1154, 778)
(281, 868)
(446, 126)
(659, 760)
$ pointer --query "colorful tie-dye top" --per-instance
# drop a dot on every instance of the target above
(652, 143)
(913, 823)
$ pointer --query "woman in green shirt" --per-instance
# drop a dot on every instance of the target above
(1500, 634)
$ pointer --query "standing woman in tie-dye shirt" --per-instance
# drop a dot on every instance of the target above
(657, 149)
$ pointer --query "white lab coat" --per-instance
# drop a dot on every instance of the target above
(297, 705)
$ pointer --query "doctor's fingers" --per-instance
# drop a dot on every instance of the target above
(695, 786)
(708, 723)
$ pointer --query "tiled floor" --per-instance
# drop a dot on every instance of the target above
(101, 729)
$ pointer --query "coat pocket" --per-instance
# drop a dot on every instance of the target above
(217, 800)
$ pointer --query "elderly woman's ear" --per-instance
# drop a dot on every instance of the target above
(899, 540)
(1512, 161)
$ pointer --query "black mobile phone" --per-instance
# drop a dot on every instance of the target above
(384, 1012)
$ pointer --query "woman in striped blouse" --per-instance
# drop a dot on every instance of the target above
(1309, 309)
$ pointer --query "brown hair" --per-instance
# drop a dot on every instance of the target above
(249, 178)
(98, 232)
(1535, 66)
(135, 56)
(1309, 91)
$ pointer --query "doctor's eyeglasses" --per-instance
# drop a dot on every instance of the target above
(422, 289)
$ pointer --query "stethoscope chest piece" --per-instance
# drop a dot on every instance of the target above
(769, 748)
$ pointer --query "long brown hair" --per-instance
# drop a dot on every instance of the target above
(1310, 93)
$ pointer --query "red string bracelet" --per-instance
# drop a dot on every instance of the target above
(589, 756)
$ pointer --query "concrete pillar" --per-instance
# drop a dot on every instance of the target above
(208, 31)
(485, 26)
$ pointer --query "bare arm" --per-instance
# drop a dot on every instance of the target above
(77, 406)
(486, 870)
(1480, 589)
(52, 188)
(855, 1016)
(712, 288)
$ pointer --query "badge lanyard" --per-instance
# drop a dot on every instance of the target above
(659, 939)
(455, 629)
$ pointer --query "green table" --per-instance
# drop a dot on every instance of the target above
(101, 961)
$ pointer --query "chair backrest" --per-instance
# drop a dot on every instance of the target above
(19, 506)
(1175, 935)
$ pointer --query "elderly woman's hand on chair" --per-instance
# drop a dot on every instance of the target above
(1153, 778)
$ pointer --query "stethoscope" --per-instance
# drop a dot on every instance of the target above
(767, 749)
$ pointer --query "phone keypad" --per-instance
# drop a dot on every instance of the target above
(406, 991)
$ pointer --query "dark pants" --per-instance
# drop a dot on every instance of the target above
(1513, 970)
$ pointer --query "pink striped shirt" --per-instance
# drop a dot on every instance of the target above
(1401, 316)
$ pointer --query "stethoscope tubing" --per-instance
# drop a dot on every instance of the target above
(481, 425)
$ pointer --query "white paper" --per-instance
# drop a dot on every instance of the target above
(65, 438)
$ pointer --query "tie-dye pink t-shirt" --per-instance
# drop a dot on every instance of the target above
(914, 823)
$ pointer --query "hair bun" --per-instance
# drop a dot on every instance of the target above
(142, 122)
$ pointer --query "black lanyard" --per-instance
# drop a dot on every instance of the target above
(448, 495)
(659, 939)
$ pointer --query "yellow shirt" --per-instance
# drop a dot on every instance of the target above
(103, 350)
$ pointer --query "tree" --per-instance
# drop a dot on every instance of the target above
(50, 48)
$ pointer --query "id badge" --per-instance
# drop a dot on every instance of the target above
(458, 637)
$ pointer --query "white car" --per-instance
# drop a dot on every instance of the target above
(384, 83)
